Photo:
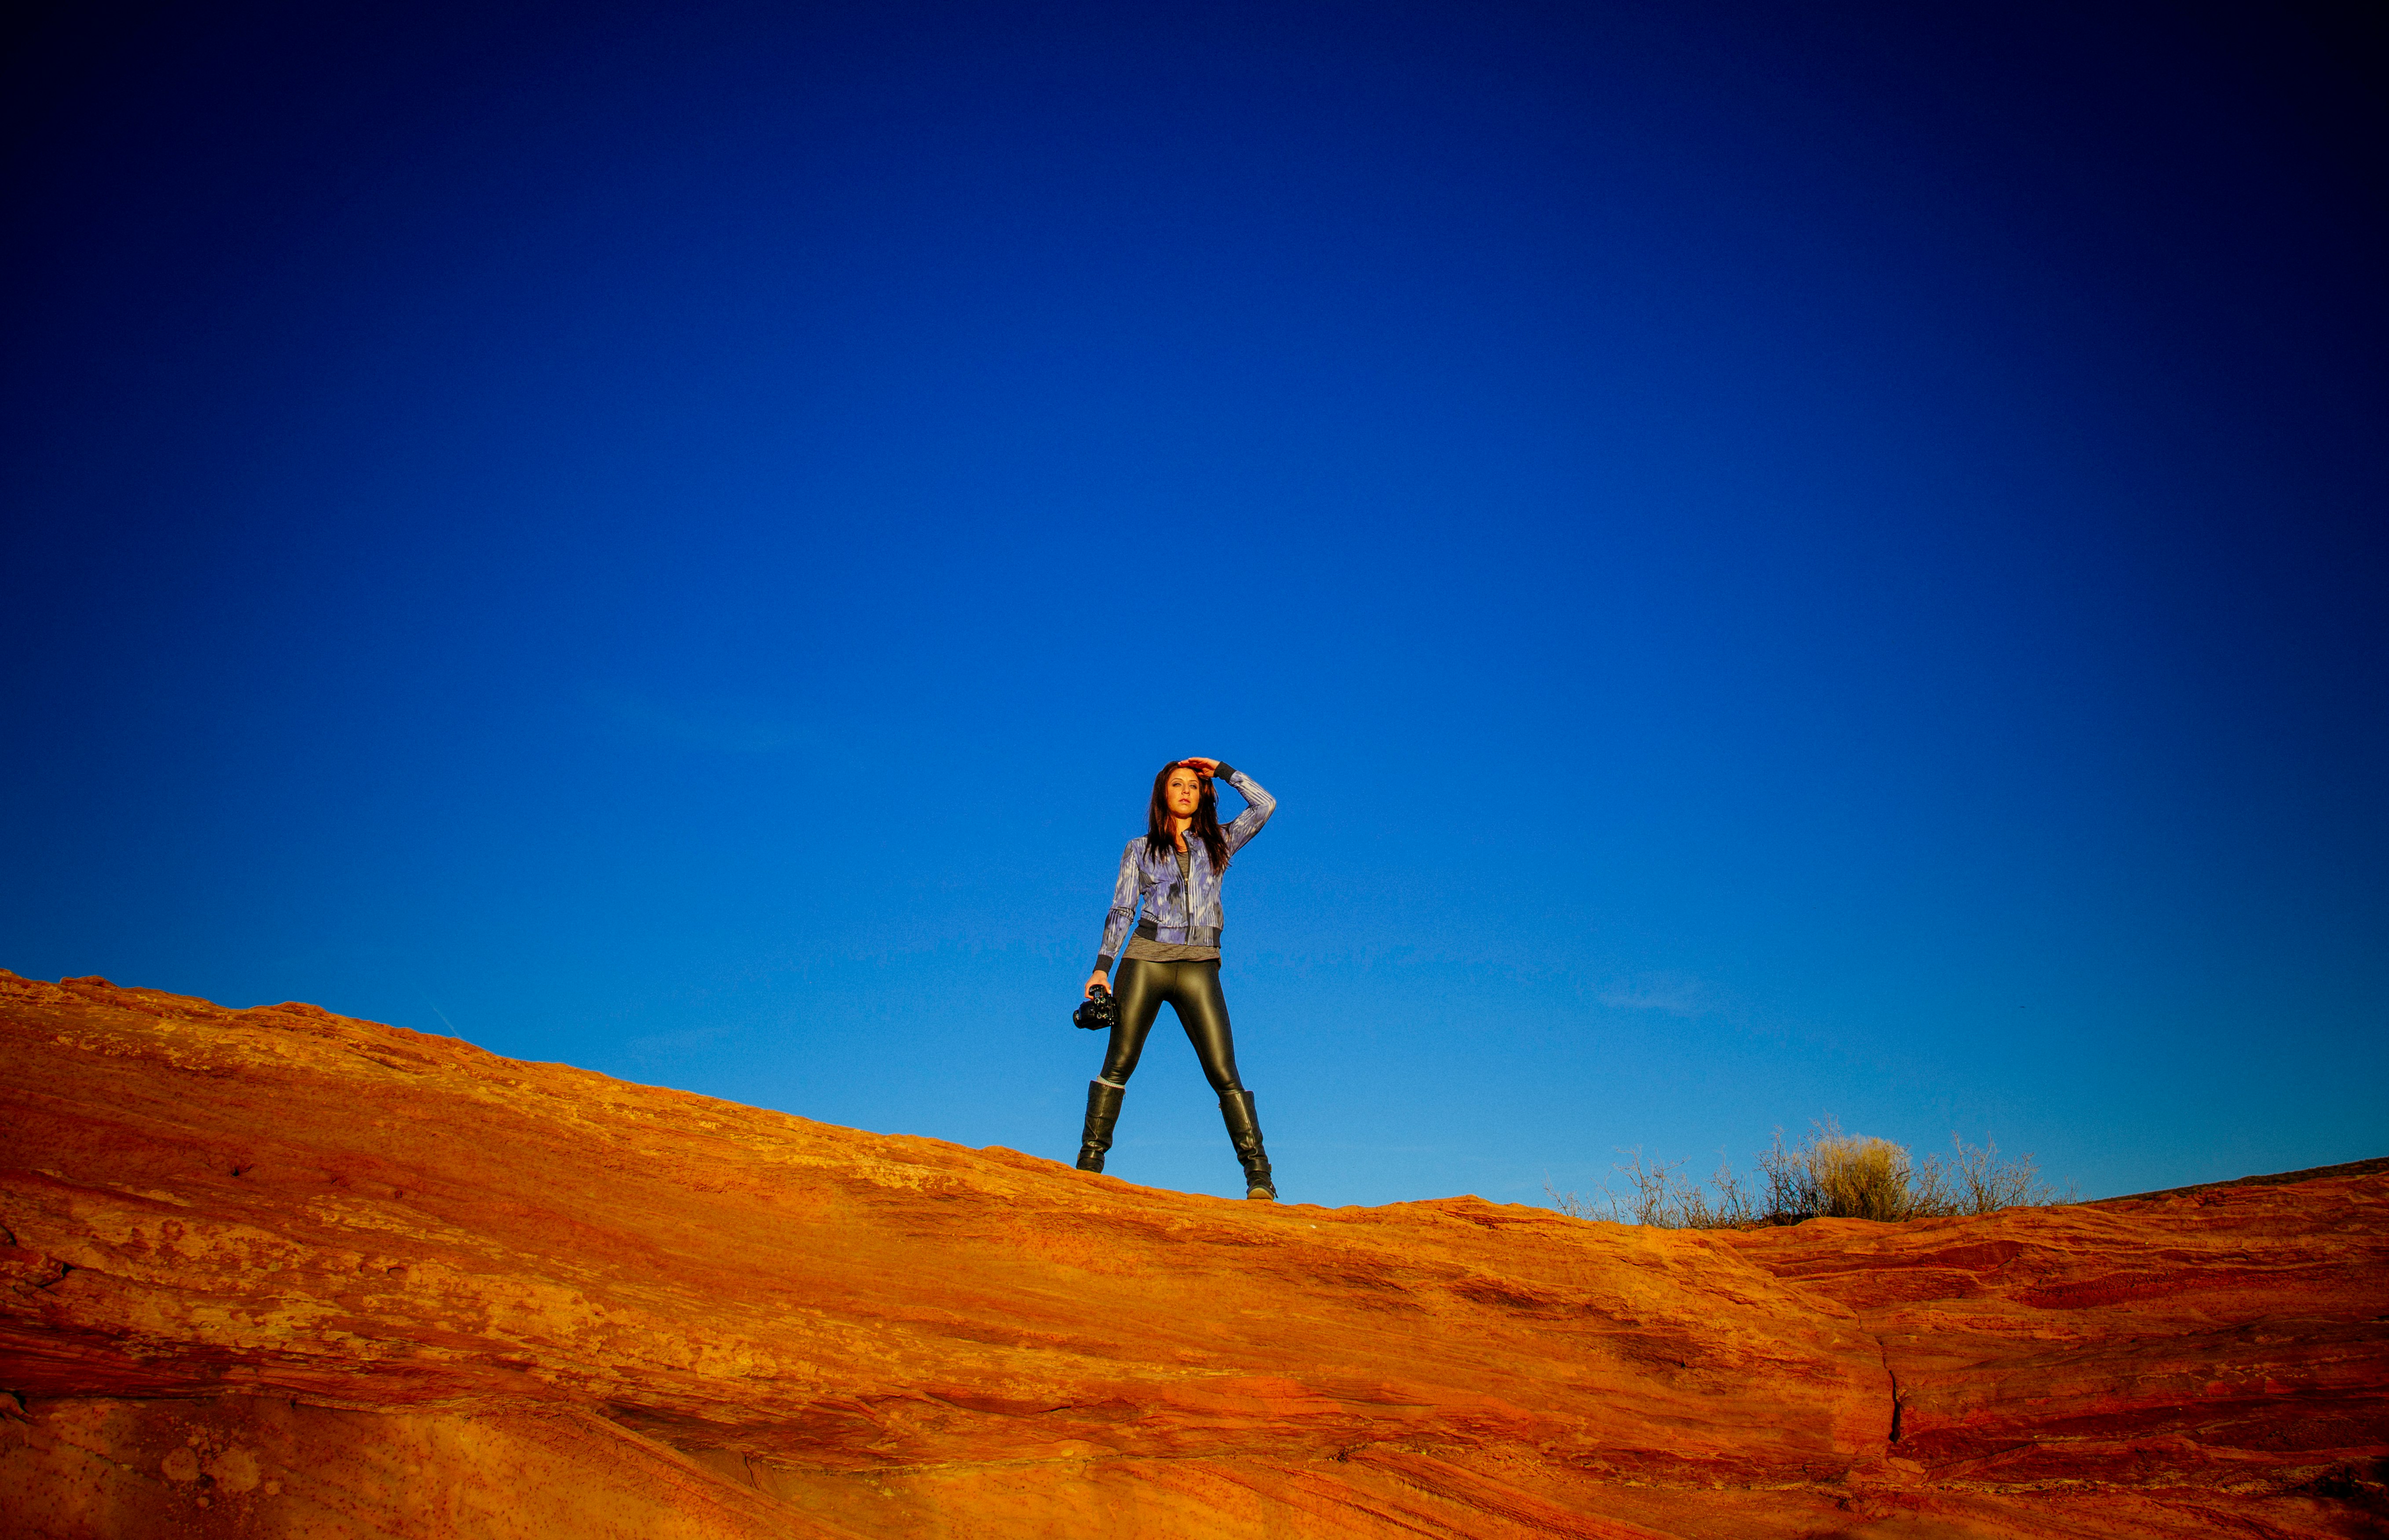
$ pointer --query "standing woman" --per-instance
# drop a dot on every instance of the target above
(1175, 868)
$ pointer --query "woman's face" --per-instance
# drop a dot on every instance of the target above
(1184, 791)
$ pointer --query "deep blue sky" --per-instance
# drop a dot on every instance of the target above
(1779, 562)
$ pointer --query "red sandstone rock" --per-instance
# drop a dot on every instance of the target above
(277, 1272)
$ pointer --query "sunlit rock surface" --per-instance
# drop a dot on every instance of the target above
(276, 1272)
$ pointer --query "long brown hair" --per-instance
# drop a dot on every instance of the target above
(1158, 841)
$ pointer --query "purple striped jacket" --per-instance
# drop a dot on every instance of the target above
(1185, 913)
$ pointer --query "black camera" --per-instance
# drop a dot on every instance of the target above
(1095, 1012)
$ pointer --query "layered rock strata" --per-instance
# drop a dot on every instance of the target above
(277, 1272)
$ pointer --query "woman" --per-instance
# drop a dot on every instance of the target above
(1175, 954)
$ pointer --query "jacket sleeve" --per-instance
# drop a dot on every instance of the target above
(1258, 805)
(1124, 896)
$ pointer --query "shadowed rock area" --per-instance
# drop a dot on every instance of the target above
(277, 1272)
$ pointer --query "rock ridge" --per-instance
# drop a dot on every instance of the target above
(275, 1272)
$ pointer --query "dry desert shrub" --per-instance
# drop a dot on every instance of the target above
(1857, 1177)
(1834, 1176)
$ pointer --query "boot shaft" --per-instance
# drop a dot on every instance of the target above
(1238, 1110)
(1103, 1111)
(1243, 1122)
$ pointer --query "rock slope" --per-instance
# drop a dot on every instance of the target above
(277, 1272)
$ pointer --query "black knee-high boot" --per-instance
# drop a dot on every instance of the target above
(1103, 1111)
(1244, 1133)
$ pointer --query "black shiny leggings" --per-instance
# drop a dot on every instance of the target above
(1193, 990)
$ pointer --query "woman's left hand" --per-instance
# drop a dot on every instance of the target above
(1204, 768)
